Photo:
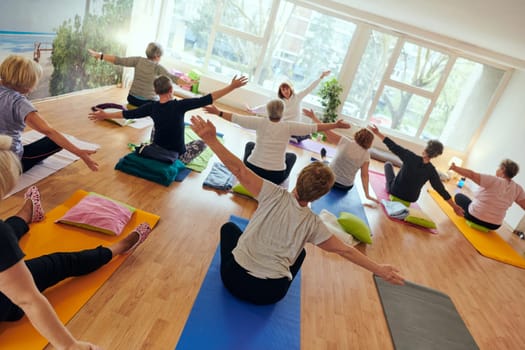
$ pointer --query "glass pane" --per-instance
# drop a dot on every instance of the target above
(304, 43)
(369, 73)
(400, 110)
(419, 66)
(232, 55)
(190, 29)
(247, 16)
(462, 104)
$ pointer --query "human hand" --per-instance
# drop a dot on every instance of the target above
(325, 73)
(452, 166)
(341, 124)
(211, 109)
(238, 82)
(204, 128)
(373, 199)
(85, 155)
(458, 210)
(390, 274)
(97, 114)
(309, 113)
(374, 129)
(94, 54)
(81, 345)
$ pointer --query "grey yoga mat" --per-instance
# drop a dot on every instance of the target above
(422, 318)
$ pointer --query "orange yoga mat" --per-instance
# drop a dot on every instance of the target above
(70, 295)
(489, 244)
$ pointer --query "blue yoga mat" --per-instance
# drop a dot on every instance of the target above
(338, 200)
(218, 320)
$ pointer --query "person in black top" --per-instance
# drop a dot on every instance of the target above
(415, 171)
(168, 118)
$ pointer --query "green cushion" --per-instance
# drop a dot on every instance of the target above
(477, 226)
(417, 217)
(355, 226)
(396, 199)
(240, 189)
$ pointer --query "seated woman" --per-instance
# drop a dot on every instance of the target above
(259, 264)
(168, 119)
(292, 102)
(350, 156)
(19, 76)
(146, 70)
(415, 172)
(495, 196)
(267, 157)
(21, 282)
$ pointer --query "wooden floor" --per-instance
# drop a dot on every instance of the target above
(145, 304)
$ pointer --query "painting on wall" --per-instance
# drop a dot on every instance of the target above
(60, 44)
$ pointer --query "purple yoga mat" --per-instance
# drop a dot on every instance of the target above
(315, 146)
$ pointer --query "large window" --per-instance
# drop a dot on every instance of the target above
(409, 88)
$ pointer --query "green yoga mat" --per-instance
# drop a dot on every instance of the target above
(422, 318)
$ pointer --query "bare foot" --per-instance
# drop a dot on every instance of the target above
(125, 244)
(26, 212)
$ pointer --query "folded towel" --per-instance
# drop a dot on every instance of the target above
(150, 169)
(395, 209)
(219, 177)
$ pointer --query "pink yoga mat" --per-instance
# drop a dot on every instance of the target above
(377, 181)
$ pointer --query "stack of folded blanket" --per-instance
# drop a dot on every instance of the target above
(395, 209)
(150, 169)
(219, 178)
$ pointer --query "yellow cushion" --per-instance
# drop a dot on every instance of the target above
(396, 199)
(240, 189)
(355, 226)
(417, 217)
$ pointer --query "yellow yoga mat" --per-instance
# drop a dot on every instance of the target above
(70, 295)
(489, 244)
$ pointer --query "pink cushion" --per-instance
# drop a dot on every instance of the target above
(98, 213)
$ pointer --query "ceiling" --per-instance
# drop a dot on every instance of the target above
(498, 26)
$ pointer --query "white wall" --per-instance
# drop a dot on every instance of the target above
(504, 137)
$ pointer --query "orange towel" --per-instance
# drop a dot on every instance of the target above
(70, 295)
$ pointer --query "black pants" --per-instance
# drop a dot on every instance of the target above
(390, 176)
(245, 286)
(464, 201)
(48, 270)
(37, 151)
(342, 187)
(137, 101)
(277, 177)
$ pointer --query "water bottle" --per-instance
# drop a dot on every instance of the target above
(461, 182)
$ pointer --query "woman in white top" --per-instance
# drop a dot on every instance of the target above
(267, 157)
(292, 102)
(495, 196)
(350, 156)
(259, 264)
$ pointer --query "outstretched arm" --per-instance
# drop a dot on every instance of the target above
(235, 84)
(214, 110)
(466, 173)
(330, 135)
(365, 181)
(35, 121)
(100, 114)
(340, 124)
(102, 56)
(206, 130)
(375, 130)
(17, 284)
(386, 272)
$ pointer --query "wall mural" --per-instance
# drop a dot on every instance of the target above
(62, 50)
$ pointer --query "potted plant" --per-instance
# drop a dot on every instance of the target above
(330, 99)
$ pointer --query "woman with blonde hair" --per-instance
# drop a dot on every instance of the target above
(19, 76)
(267, 157)
(350, 157)
(259, 264)
(21, 282)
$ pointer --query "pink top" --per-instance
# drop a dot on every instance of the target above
(494, 197)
